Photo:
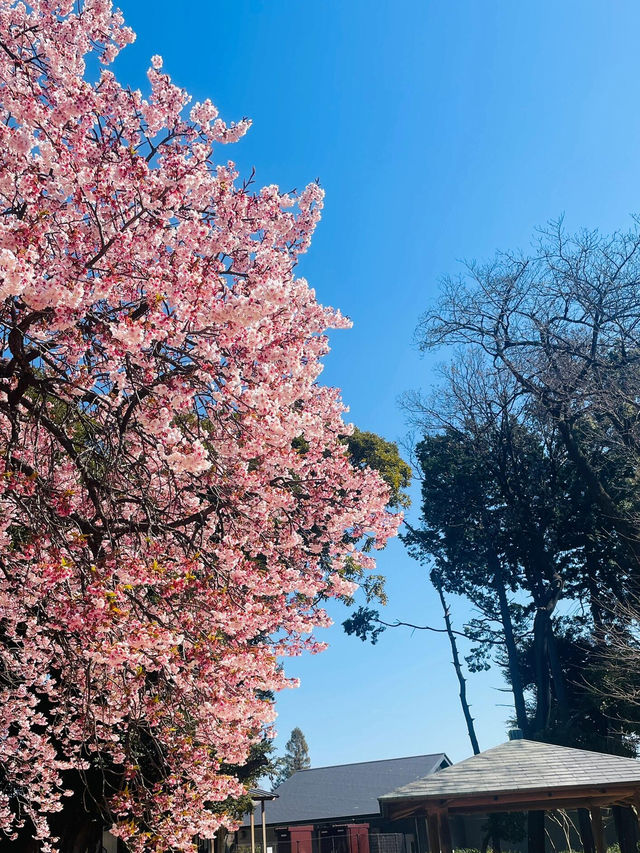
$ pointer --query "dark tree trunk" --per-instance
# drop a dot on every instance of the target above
(21, 844)
(541, 667)
(458, 668)
(83, 836)
(626, 828)
(547, 662)
(510, 643)
(78, 829)
(586, 833)
(592, 565)
(559, 687)
(220, 843)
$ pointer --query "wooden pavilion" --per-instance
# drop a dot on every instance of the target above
(526, 776)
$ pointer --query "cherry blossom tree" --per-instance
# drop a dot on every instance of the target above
(177, 498)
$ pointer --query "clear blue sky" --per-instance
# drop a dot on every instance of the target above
(441, 130)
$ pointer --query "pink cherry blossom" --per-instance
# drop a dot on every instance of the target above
(176, 499)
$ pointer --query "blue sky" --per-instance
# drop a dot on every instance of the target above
(441, 130)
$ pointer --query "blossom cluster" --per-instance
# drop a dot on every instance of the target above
(176, 500)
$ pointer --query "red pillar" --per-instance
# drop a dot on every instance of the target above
(300, 838)
(358, 834)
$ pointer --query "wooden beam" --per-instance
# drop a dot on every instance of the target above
(598, 829)
(264, 827)
(537, 805)
(433, 832)
(252, 821)
(523, 798)
(407, 811)
(545, 800)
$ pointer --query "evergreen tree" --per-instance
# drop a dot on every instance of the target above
(296, 756)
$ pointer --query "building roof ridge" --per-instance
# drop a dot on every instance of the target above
(373, 761)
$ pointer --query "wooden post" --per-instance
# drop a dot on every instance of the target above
(252, 821)
(264, 827)
(535, 832)
(598, 829)
(434, 833)
(445, 832)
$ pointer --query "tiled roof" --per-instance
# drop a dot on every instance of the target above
(345, 790)
(521, 765)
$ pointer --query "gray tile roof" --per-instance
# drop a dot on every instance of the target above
(344, 790)
(520, 765)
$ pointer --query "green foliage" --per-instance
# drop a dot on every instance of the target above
(367, 449)
(296, 757)
(364, 623)
(300, 444)
(506, 826)
(504, 511)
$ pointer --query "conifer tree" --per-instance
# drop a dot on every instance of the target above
(296, 756)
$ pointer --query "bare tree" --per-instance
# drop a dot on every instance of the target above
(565, 323)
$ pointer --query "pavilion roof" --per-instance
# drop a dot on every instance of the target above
(261, 794)
(519, 771)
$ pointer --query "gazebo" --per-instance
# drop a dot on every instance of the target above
(524, 776)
